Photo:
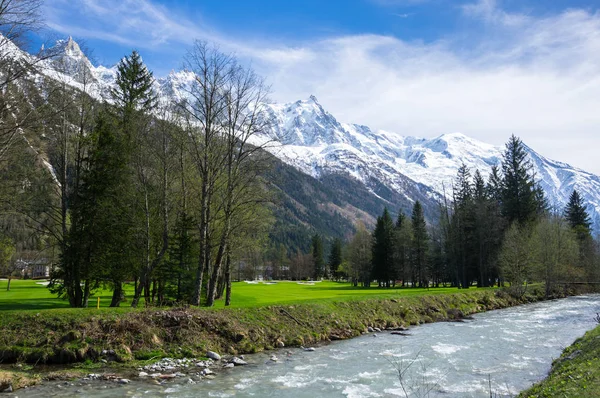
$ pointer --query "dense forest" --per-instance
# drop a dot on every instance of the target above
(493, 232)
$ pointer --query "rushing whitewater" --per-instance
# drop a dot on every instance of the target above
(507, 349)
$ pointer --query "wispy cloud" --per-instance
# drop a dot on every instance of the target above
(537, 77)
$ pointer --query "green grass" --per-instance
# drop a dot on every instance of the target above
(260, 294)
(575, 374)
(32, 295)
(29, 295)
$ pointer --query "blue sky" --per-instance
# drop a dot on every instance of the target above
(487, 68)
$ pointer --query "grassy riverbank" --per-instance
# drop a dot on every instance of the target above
(66, 335)
(575, 374)
(286, 314)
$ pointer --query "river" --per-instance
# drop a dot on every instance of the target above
(503, 351)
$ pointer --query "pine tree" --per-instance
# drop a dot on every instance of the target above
(579, 221)
(383, 250)
(519, 200)
(576, 214)
(419, 246)
(463, 228)
(133, 91)
(99, 244)
(317, 257)
(402, 242)
(335, 258)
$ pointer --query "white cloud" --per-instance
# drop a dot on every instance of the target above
(536, 77)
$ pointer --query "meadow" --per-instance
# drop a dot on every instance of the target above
(30, 295)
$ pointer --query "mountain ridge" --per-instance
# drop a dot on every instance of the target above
(314, 142)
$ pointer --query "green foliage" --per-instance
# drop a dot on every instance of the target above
(577, 216)
(133, 91)
(317, 257)
(402, 247)
(516, 258)
(555, 252)
(383, 250)
(520, 194)
(335, 259)
(7, 250)
(360, 257)
(420, 245)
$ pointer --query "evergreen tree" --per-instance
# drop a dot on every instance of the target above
(579, 221)
(383, 250)
(520, 201)
(335, 258)
(576, 214)
(133, 91)
(99, 244)
(317, 257)
(419, 246)
(402, 244)
(487, 233)
(464, 227)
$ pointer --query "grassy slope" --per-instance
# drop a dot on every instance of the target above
(575, 374)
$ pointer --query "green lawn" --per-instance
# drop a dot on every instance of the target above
(28, 295)
(34, 295)
(253, 295)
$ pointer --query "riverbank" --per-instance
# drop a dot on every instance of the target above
(575, 374)
(128, 339)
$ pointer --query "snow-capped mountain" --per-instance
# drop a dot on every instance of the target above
(313, 141)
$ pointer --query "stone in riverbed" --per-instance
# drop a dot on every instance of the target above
(370, 329)
(238, 361)
(228, 365)
(124, 381)
(280, 344)
(143, 374)
(213, 355)
(400, 333)
(7, 389)
(309, 349)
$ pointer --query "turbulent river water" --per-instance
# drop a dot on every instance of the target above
(503, 351)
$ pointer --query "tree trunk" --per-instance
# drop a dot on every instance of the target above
(86, 293)
(228, 280)
(202, 263)
(117, 294)
(212, 284)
